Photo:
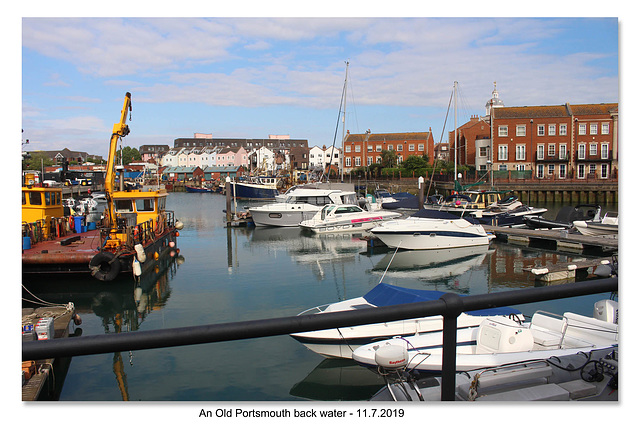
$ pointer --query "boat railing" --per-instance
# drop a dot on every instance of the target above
(41, 230)
(315, 310)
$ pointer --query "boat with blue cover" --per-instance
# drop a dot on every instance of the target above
(341, 342)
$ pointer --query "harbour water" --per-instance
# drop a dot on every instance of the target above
(237, 274)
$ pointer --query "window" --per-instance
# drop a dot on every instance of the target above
(378, 159)
(347, 162)
(563, 130)
(357, 148)
(420, 147)
(604, 129)
(520, 168)
(502, 167)
(604, 171)
(562, 173)
(581, 171)
(581, 151)
(399, 147)
(520, 152)
(503, 152)
(552, 130)
(357, 161)
(144, 205)
(552, 170)
(369, 161)
(347, 149)
(551, 150)
(311, 156)
(593, 149)
(540, 130)
(369, 148)
(47, 198)
(484, 151)
(521, 130)
(582, 129)
(390, 147)
(604, 151)
(540, 171)
(400, 159)
(593, 129)
(592, 169)
(35, 198)
(379, 148)
(540, 152)
(503, 130)
(124, 205)
(563, 152)
(412, 147)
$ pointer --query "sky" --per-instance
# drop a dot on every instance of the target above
(249, 77)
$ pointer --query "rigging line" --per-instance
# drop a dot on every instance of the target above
(43, 302)
(390, 261)
(335, 134)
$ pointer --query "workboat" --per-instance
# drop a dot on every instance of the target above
(257, 188)
(500, 340)
(300, 206)
(607, 225)
(348, 218)
(431, 229)
(565, 217)
(341, 342)
(590, 376)
(136, 227)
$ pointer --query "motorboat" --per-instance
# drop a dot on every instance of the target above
(431, 229)
(515, 215)
(607, 225)
(192, 189)
(341, 342)
(500, 340)
(565, 217)
(589, 376)
(346, 218)
(300, 206)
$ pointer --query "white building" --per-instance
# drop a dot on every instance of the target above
(321, 157)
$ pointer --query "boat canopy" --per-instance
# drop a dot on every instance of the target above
(435, 214)
(385, 295)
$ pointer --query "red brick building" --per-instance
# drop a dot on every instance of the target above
(360, 150)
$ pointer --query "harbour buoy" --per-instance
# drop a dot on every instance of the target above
(142, 257)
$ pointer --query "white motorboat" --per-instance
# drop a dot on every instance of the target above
(590, 375)
(301, 205)
(430, 229)
(341, 342)
(499, 340)
(346, 219)
(607, 225)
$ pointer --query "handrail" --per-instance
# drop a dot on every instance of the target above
(449, 305)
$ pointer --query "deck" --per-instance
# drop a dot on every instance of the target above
(47, 371)
(562, 239)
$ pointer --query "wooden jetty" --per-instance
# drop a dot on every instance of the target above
(561, 239)
(42, 377)
(565, 271)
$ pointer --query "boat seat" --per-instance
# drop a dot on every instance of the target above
(579, 389)
(547, 331)
(592, 330)
(542, 392)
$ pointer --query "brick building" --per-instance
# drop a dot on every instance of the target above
(365, 149)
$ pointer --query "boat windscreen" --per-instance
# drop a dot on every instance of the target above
(435, 214)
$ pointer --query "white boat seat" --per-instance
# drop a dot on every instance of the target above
(592, 330)
(543, 392)
(547, 331)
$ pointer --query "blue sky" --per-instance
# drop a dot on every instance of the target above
(251, 77)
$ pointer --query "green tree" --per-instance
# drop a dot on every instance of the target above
(389, 159)
(35, 161)
(413, 163)
(129, 155)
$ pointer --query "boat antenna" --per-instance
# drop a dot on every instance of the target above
(390, 261)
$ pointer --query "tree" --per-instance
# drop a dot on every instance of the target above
(413, 163)
(129, 155)
(389, 158)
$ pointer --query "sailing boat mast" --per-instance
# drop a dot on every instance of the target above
(455, 131)
(344, 119)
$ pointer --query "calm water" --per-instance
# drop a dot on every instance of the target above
(228, 275)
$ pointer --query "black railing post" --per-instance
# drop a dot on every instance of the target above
(453, 309)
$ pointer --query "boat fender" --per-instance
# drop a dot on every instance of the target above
(137, 270)
(142, 257)
(77, 320)
(179, 225)
(172, 244)
(104, 266)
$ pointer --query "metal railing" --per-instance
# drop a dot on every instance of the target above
(449, 306)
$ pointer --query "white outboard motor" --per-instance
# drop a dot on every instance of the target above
(392, 357)
(606, 310)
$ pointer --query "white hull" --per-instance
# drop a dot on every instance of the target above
(283, 214)
(346, 219)
(595, 229)
(422, 233)
(498, 341)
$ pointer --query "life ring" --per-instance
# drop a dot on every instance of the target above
(104, 266)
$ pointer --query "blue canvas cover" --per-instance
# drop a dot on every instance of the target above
(385, 294)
